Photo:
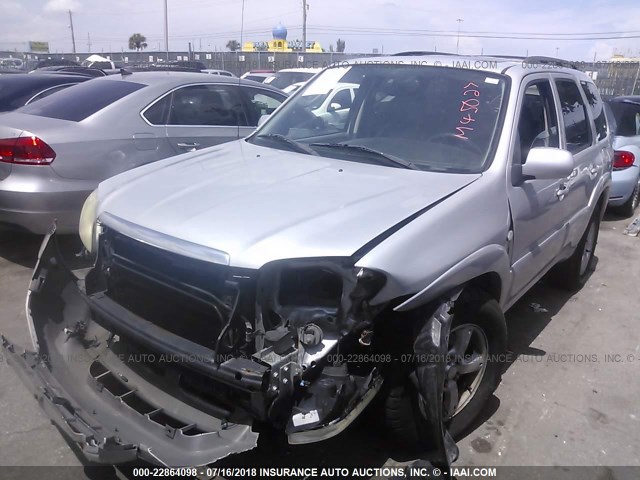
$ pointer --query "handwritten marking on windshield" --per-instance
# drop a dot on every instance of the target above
(468, 105)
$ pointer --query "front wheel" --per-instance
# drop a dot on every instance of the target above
(476, 344)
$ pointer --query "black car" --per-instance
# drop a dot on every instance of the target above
(21, 89)
(72, 70)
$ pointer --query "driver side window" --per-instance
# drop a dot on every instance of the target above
(538, 122)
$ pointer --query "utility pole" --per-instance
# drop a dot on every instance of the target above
(304, 26)
(73, 37)
(242, 27)
(459, 20)
(166, 29)
(89, 42)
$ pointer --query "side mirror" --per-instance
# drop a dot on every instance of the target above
(263, 119)
(544, 163)
(333, 107)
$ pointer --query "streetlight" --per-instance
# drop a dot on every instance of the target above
(459, 20)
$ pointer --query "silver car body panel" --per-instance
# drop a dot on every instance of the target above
(240, 185)
(113, 140)
(624, 181)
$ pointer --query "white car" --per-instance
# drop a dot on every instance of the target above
(288, 76)
(293, 88)
(213, 71)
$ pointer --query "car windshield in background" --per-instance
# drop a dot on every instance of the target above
(436, 119)
(284, 79)
(80, 102)
(627, 116)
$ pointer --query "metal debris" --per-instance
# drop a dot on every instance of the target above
(634, 228)
(537, 308)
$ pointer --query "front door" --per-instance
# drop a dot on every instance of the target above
(537, 208)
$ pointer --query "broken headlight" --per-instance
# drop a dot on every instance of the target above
(331, 293)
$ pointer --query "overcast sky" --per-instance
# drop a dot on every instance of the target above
(361, 23)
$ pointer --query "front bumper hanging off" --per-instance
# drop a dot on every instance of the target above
(95, 396)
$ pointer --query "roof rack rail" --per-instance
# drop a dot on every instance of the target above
(558, 62)
(506, 57)
(418, 53)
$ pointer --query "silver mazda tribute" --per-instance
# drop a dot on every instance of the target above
(285, 280)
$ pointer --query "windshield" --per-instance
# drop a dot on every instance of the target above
(284, 79)
(627, 117)
(437, 119)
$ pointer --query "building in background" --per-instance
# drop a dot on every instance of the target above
(279, 43)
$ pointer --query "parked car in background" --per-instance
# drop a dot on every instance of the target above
(102, 63)
(55, 151)
(313, 267)
(213, 71)
(53, 62)
(71, 70)
(625, 189)
(12, 64)
(23, 89)
(333, 104)
(288, 76)
(258, 75)
(294, 87)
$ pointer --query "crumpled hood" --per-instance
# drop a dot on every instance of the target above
(260, 204)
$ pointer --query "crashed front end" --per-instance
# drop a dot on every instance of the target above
(178, 361)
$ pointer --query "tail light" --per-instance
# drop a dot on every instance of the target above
(623, 159)
(26, 151)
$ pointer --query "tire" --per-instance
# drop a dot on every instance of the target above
(571, 274)
(628, 208)
(403, 415)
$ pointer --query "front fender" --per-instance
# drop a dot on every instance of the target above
(489, 259)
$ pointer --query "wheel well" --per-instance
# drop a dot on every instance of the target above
(602, 202)
(488, 282)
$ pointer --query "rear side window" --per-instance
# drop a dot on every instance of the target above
(76, 104)
(157, 113)
(574, 116)
(597, 109)
(216, 105)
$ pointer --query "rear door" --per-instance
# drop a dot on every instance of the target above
(203, 115)
(578, 137)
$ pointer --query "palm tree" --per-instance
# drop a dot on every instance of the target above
(233, 45)
(137, 42)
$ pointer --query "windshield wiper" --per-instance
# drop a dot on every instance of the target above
(299, 147)
(386, 156)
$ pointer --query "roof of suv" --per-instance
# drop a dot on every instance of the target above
(512, 66)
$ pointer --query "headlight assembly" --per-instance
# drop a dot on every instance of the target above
(88, 217)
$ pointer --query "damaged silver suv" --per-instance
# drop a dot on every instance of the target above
(285, 280)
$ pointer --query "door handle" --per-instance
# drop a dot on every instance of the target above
(593, 171)
(189, 146)
(562, 191)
